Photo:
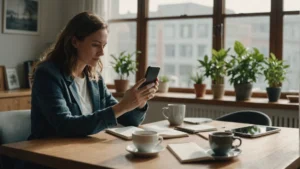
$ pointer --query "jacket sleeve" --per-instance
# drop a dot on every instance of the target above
(49, 92)
(131, 118)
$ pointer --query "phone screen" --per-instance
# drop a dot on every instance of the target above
(151, 75)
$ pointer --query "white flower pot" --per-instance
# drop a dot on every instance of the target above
(163, 87)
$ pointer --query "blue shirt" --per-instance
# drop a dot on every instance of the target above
(56, 109)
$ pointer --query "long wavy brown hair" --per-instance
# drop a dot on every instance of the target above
(64, 54)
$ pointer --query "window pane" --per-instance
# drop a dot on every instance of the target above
(159, 8)
(291, 5)
(252, 32)
(246, 6)
(121, 37)
(178, 45)
(291, 52)
(120, 9)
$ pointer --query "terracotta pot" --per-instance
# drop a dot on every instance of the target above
(200, 90)
(163, 87)
(217, 90)
(121, 85)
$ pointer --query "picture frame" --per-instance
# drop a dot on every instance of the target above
(11, 78)
(21, 17)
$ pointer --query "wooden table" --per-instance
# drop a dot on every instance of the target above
(102, 150)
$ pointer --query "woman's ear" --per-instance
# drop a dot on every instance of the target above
(75, 42)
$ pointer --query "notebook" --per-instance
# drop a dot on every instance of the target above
(123, 132)
(196, 128)
(197, 120)
(126, 132)
(189, 152)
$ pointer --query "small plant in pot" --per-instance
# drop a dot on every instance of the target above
(216, 68)
(275, 72)
(163, 86)
(243, 70)
(198, 84)
(123, 65)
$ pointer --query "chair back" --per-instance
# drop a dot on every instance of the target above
(247, 116)
(14, 126)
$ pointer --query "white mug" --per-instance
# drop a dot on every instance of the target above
(175, 113)
(146, 141)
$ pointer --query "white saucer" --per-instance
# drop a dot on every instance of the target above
(230, 155)
(132, 149)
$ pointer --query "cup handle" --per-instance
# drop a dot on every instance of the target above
(237, 138)
(160, 139)
(163, 112)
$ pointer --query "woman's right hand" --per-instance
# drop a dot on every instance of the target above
(133, 98)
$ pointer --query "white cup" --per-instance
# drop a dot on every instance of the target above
(175, 113)
(146, 141)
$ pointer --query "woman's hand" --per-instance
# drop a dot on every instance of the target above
(135, 97)
(150, 93)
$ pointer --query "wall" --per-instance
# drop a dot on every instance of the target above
(17, 48)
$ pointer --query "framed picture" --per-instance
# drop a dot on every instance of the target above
(11, 78)
(21, 16)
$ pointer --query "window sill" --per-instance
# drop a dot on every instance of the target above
(226, 101)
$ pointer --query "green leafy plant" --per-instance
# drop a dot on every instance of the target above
(198, 78)
(216, 68)
(245, 66)
(124, 64)
(275, 71)
(164, 78)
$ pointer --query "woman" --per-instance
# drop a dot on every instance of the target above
(69, 97)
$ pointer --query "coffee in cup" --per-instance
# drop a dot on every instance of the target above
(174, 113)
(222, 142)
(146, 141)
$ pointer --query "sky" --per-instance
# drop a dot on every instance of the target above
(236, 5)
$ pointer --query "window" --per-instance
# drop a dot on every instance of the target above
(245, 6)
(291, 44)
(170, 50)
(120, 9)
(169, 31)
(291, 5)
(179, 50)
(202, 30)
(186, 31)
(252, 32)
(186, 51)
(185, 72)
(166, 8)
(202, 51)
(122, 35)
(152, 31)
(152, 51)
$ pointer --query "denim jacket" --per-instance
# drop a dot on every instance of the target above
(56, 108)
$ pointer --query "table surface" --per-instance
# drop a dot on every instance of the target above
(102, 150)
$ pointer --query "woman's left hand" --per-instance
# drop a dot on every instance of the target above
(150, 93)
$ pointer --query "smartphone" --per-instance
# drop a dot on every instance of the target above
(255, 131)
(151, 75)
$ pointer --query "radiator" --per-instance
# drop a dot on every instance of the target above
(281, 118)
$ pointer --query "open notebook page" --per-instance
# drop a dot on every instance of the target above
(123, 132)
(189, 152)
(166, 132)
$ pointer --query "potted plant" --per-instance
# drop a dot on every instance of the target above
(163, 86)
(198, 84)
(216, 68)
(243, 70)
(275, 72)
(124, 65)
